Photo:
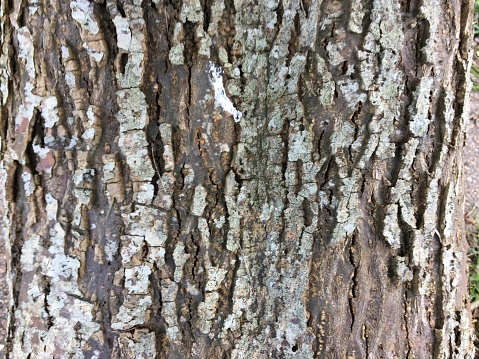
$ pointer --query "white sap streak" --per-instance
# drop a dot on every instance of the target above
(220, 95)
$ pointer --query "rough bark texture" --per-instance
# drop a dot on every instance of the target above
(235, 179)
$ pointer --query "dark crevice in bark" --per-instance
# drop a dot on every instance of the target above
(13, 183)
(307, 212)
(293, 43)
(407, 236)
(298, 169)
(326, 172)
(305, 5)
(279, 16)
(420, 188)
(406, 323)
(154, 154)
(423, 34)
(36, 138)
(437, 271)
(206, 5)
(353, 291)
(119, 7)
(188, 107)
(357, 121)
(465, 35)
(460, 92)
(285, 149)
(196, 259)
(13, 195)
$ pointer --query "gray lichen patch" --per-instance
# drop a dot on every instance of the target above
(328, 87)
(132, 115)
(176, 55)
(166, 133)
(402, 272)
(180, 258)
(420, 122)
(132, 312)
(140, 345)
(391, 230)
(137, 279)
(191, 11)
(356, 16)
(63, 301)
(231, 193)
(199, 201)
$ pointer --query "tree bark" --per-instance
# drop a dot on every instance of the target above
(235, 179)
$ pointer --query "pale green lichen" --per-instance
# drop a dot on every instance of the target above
(132, 312)
(132, 114)
(309, 25)
(350, 90)
(326, 94)
(176, 55)
(28, 184)
(143, 192)
(231, 193)
(147, 222)
(180, 258)
(199, 201)
(63, 302)
(205, 42)
(223, 55)
(169, 291)
(282, 97)
(207, 310)
(134, 146)
(335, 51)
(420, 122)
(30, 251)
(109, 171)
(191, 10)
(133, 75)
(429, 10)
(145, 226)
(130, 245)
(391, 231)
(356, 16)
(140, 345)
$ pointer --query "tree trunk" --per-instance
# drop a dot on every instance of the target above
(235, 179)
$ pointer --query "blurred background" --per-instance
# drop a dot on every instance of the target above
(471, 163)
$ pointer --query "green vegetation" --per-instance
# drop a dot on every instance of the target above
(472, 219)
(475, 77)
(472, 235)
(475, 68)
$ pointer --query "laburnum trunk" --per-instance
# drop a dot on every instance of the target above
(235, 179)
